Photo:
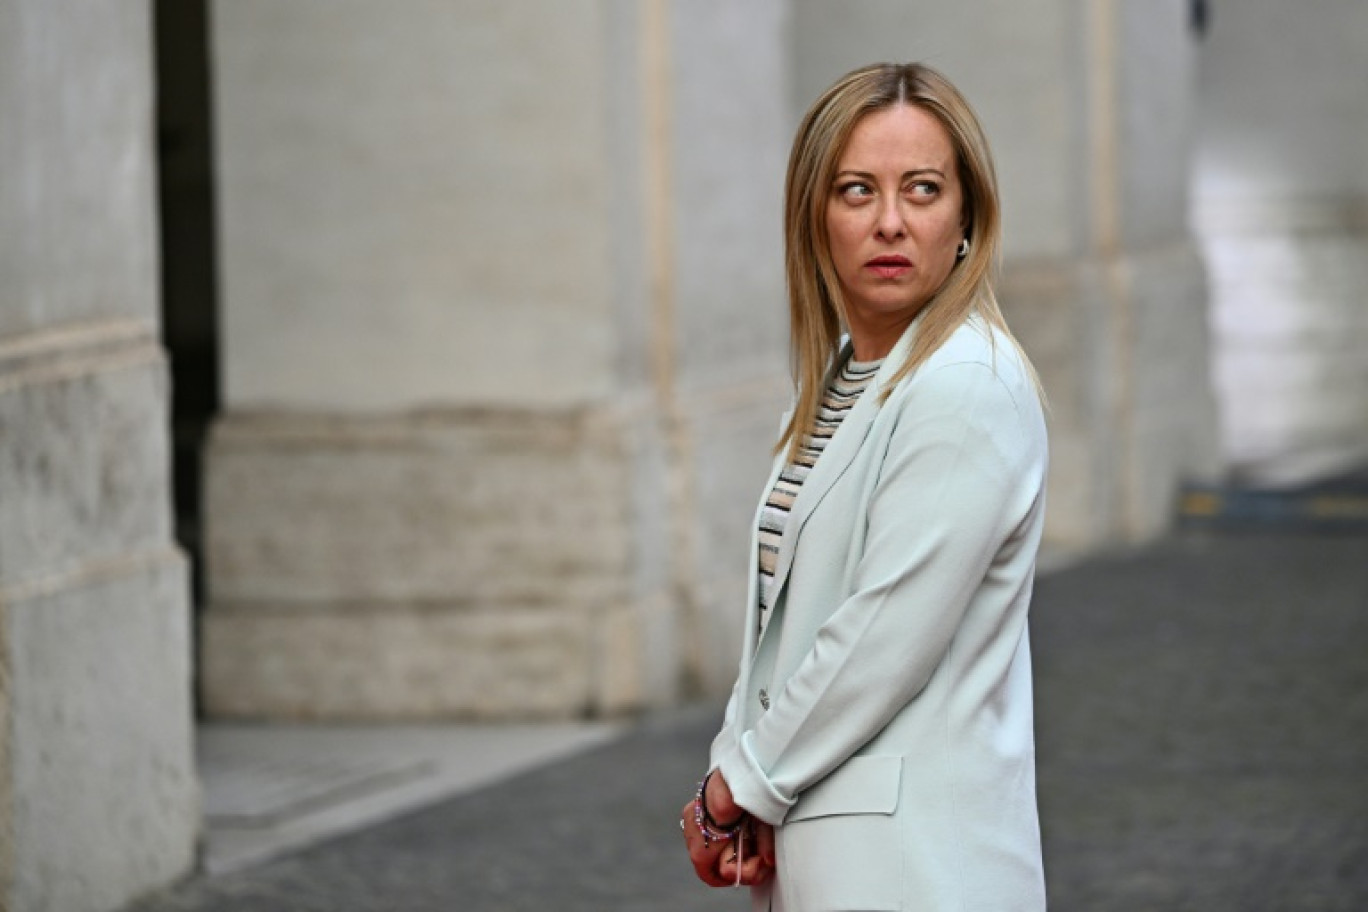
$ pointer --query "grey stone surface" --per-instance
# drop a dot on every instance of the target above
(476, 507)
(94, 608)
(1171, 420)
(401, 662)
(1289, 330)
(269, 789)
(498, 380)
(457, 564)
(1202, 726)
(1281, 200)
(8, 837)
(597, 832)
(732, 438)
(730, 133)
(84, 479)
(413, 208)
(105, 800)
(1155, 113)
(1202, 718)
(98, 799)
(1283, 116)
(1122, 350)
(77, 211)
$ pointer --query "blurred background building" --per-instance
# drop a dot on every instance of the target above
(421, 359)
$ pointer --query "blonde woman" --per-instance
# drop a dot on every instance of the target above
(877, 751)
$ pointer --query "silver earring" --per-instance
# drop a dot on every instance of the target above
(963, 250)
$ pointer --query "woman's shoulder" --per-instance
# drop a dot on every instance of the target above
(977, 383)
(977, 348)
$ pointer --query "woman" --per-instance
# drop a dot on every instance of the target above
(877, 752)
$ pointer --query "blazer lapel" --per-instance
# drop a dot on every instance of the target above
(750, 640)
(831, 465)
(839, 453)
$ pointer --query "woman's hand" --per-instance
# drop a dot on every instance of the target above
(706, 857)
(756, 857)
(717, 798)
(716, 863)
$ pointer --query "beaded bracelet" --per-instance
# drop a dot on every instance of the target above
(712, 830)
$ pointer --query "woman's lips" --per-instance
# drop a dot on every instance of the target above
(890, 266)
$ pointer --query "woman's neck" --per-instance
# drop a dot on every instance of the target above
(872, 340)
(874, 346)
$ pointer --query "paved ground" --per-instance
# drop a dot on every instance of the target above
(271, 789)
(1203, 745)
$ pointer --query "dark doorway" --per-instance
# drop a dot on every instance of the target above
(188, 277)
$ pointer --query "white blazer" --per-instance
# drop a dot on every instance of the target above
(883, 719)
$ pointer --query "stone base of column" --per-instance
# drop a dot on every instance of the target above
(1123, 349)
(101, 755)
(454, 564)
(433, 661)
(98, 796)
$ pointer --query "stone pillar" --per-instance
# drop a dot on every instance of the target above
(1089, 107)
(728, 70)
(98, 799)
(498, 292)
(1282, 212)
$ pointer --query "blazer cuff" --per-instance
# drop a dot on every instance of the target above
(750, 787)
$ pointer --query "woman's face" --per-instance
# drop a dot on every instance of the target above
(894, 218)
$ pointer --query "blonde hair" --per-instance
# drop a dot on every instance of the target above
(816, 306)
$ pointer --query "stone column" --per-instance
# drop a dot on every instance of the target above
(728, 133)
(489, 277)
(1282, 212)
(98, 799)
(1089, 107)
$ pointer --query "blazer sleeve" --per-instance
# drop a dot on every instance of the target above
(962, 460)
(727, 733)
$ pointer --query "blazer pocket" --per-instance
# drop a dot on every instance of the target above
(840, 847)
(861, 785)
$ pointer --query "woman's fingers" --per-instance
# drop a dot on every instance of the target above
(764, 842)
(707, 871)
(726, 867)
(707, 865)
(717, 863)
(755, 860)
(754, 870)
(702, 854)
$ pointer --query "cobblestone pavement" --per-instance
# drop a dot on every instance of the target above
(1202, 740)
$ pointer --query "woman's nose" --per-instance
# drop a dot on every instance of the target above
(890, 225)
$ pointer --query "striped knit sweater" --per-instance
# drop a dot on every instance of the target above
(840, 397)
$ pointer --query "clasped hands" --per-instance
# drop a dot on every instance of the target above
(746, 859)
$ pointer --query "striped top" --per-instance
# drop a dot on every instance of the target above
(840, 397)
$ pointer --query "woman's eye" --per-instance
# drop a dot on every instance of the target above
(856, 191)
(924, 189)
